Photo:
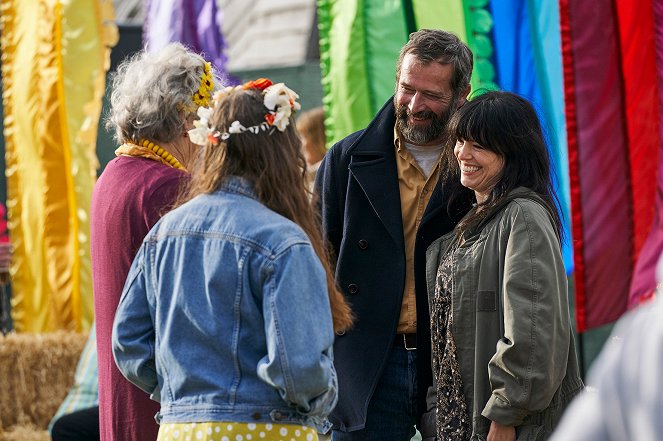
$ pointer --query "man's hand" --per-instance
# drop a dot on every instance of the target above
(499, 432)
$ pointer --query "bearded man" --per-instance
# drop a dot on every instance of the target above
(383, 200)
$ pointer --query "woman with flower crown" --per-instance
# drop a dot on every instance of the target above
(228, 315)
(154, 100)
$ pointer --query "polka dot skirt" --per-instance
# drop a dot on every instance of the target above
(230, 431)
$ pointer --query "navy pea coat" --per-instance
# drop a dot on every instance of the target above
(361, 215)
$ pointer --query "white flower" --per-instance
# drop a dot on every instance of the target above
(283, 101)
(198, 135)
(204, 113)
(282, 118)
(236, 127)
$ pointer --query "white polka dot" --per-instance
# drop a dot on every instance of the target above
(297, 432)
(268, 426)
(292, 439)
(186, 428)
(239, 438)
(262, 434)
(199, 434)
(283, 431)
(251, 426)
(188, 438)
(217, 429)
(225, 438)
(176, 433)
(230, 427)
(209, 430)
(249, 436)
(309, 437)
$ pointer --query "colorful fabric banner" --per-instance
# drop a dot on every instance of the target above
(613, 136)
(359, 45)
(54, 61)
(194, 23)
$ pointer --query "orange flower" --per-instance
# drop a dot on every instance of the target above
(213, 138)
(269, 117)
(260, 84)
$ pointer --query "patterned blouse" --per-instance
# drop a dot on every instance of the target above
(453, 420)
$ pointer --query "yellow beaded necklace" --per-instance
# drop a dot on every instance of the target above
(170, 159)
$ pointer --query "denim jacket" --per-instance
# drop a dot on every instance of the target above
(225, 315)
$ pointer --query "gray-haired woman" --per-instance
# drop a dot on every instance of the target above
(154, 101)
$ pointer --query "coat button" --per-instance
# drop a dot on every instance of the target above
(353, 288)
(256, 415)
(363, 244)
(340, 333)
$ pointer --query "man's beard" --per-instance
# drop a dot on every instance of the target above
(420, 135)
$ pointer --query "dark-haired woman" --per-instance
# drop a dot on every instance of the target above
(504, 359)
(228, 314)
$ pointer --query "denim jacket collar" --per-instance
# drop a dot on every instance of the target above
(238, 185)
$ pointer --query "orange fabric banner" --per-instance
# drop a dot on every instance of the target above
(55, 54)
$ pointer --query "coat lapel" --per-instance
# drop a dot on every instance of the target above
(373, 166)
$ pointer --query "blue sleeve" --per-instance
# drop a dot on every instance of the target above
(299, 332)
(133, 338)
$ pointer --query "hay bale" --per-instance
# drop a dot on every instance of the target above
(25, 433)
(36, 370)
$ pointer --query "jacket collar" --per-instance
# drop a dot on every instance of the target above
(378, 136)
(373, 166)
(238, 185)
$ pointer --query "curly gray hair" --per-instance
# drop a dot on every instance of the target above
(152, 94)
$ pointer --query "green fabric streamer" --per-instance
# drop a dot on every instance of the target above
(359, 45)
(478, 23)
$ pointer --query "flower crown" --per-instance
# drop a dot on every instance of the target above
(279, 100)
(204, 94)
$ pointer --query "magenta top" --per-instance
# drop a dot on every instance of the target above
(129, 198)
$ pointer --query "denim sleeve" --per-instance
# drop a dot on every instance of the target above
(299, 333)
(133, 330)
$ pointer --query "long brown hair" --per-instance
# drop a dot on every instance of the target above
(272, 161)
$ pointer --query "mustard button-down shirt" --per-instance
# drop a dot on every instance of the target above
(415, 191)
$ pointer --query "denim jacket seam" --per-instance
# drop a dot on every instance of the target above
(282, 354)
(236, 331)
(267, 251)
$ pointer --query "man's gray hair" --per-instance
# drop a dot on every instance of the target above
(435, 45)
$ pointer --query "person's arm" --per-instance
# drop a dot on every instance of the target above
(530, 360)
(133, 330)
(299, 332)
(331, 201)
(623, 400)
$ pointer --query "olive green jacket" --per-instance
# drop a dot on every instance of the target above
(511, 321)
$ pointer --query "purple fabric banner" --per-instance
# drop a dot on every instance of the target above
(598, 162)
(194, 23)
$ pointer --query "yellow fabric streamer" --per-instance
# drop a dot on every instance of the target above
(55, 57)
